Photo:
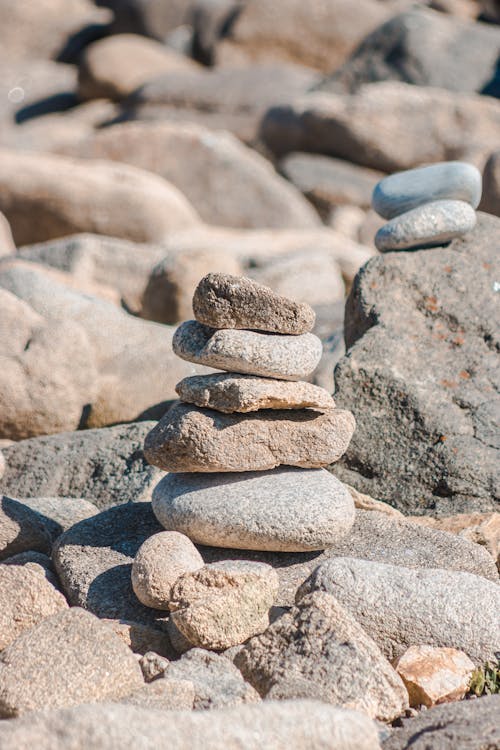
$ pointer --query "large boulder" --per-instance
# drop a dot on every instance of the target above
(426, 48)
(389, 126)
(421, 376)
(45, 196)
(227, 183)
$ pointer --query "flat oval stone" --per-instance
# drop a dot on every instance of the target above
(281, 510)
(426, 226)
(266, 354)
(403, 191)
(244, 393)
(191, 439)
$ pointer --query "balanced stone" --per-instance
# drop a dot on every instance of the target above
(434, 224)
(265, 354)
(283, 510)
(191, 439)
(403, 191)
(243, 393)
(225, 301)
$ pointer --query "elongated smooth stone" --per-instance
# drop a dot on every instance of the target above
(403, 191)
(426, 226)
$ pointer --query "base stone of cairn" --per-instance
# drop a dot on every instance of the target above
(226, 438)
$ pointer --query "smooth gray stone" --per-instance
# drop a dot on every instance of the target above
(431, 225)
(282, 510)
(403, 191)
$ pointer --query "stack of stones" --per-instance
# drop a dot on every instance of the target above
(246, 448)
(428, 206)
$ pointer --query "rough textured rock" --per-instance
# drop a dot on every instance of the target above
(480, 528)
(191, 439)
(94, 560)
(46, 196)
(159, 562)
(305, 725)
(217, 682)
(422, 341)
(168, 294)
(223, 604)
(286, 509)
(452, 180)
(21, 529)
(26, 598)
(104, 466)
(243, 393)
(248, 352)
(399, 607)
(113, 67)
(491, 185)
(434, 675)
(38, 562)
(39, 359)
(165, 695)
(425, 48)
(56, 664)
(470, 724)
(141, 639)
(435, 223)
(317, 650)
(60, 513)
(426, 125)
(225, 301)
(226, 182)
(366, 502)
(153, 666)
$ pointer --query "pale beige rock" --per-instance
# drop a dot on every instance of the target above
(158, 564)
(140, 638)
(67, 659)
(26, 598)
(7, 246)
(434, 675)
(45, 196)
(365, 502)
(223, 604)
(168, 294)
(226, 301)
(248, 352)
(2, 464)
(482, 528)
(165, 695)
(113, 67)
(202, 440)
(21, 529)
(230, 393)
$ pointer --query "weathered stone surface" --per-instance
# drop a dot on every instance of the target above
(491, 181)
(159, 562)
(168, 294)
(21, 529)
(113, 67)
(425, 48)
(224, 604)
(400, 607)
(191, 439)
(60, 513)
(7, 246)
(328, 182)
(153, 665)
(228, 183)
(105, 466)
(286, 509)
(46, 196)
(248, 352)
(57, 664)
(480, 528)
(423, 378)
(452, 180)
(277, 725)
(36, 561)
(225, 301)
(432, 224)
(244, 393)
(40, 359)
(217, 682)
(434, 675)
(470, 724)
(317, 650)
(366, 502)
(356, 127)
(94, 560)
(140, 638)
(26, 598)
(165, 695)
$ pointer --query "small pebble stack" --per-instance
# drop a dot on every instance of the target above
(428, 206)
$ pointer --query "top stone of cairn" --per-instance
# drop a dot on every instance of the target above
(225, 301)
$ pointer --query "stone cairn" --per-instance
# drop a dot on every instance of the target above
(428, 206)
(245, 451)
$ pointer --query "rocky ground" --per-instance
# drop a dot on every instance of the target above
(257, 564)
